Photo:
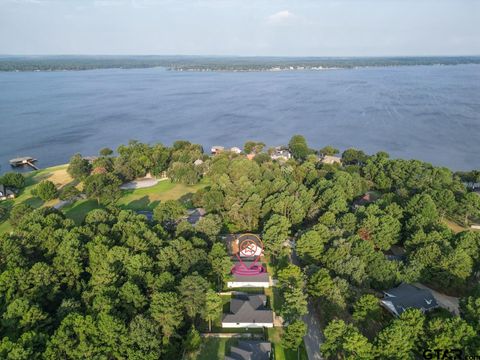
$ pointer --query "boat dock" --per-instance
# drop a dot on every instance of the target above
(21, 161)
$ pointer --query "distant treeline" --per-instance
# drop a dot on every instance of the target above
(204, 63)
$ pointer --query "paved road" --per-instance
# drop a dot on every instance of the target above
(314, 337)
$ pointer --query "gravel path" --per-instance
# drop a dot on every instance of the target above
(139, 184)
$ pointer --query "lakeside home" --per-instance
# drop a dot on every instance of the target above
(281, 153)
(6, 193)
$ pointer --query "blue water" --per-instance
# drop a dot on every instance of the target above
(426, 112)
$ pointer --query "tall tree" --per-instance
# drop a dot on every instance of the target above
(213, 307)
(165, 310)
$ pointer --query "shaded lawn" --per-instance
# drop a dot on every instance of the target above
(79, 209)
(274, 336)
(212, 349)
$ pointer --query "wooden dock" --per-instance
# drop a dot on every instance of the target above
(22, 161)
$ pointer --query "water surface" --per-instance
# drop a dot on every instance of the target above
(426, 112)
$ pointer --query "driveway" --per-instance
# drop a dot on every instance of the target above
(450, 303)
(140, 184)
(314, 337)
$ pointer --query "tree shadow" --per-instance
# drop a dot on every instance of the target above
(142, 203)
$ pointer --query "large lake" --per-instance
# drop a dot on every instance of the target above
(426, 112)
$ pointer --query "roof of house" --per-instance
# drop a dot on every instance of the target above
(5, 191)
(248, 309)
(195, 215)
(262, 277)
(250, 350)
(405, 296)
(281, 152)
(330, 159)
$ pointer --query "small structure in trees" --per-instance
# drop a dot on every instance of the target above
(6, 193)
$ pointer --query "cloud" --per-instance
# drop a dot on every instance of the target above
(281, 18)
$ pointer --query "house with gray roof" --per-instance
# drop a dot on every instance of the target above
(248, 311)
(407, 296)
(250, 350)
(6, 193)
(254, 280)
(195, 215)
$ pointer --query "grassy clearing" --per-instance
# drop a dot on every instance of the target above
(141, 199)
(78, 210)
(149, 198)
(212, 348)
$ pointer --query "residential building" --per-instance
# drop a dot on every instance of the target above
(217, 149)
(6, 193)
(249, 277)
(281, 153)
(250, 350)
(407, 296)
(195, 215)
(330, 159)
(364, 200)
(236, 150)
(248, 311)
(198, 162)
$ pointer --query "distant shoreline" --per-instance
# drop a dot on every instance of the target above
(230, 64)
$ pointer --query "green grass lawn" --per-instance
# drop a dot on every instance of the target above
(141, 199)
(149, 198)
(79, 209)
(212, 349)
(274, 336)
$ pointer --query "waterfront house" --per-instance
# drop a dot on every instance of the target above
(250, 350)
(6, 193)
(407, 296)
(248, 311)
(236, 150)
(330, 160)
(281, 153)
(217, 149)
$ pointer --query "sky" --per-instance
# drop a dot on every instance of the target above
(241, 27)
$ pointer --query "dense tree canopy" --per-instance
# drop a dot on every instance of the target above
(118, 286)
